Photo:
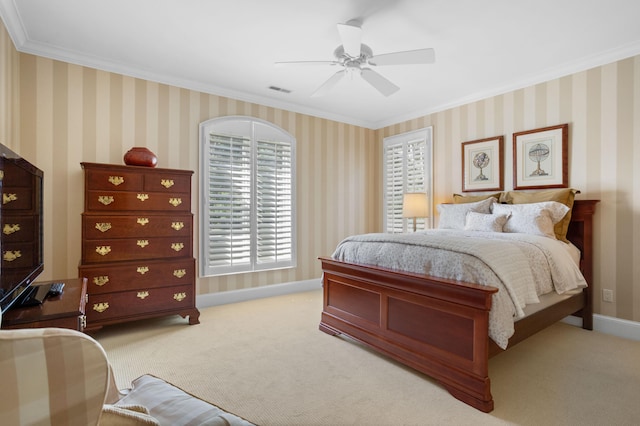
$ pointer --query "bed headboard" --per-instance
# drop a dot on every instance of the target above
(580, 233)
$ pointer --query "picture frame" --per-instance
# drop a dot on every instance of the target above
(540, 158)
(482, 168)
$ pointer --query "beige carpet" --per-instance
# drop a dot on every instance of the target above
(265, 360)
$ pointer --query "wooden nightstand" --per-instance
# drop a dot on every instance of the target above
(64, 311)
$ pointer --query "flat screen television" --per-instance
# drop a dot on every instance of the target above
(21, 236)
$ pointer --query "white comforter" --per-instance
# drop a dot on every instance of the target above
(521, 266)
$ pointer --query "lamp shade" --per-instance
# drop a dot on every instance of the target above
(414, 204)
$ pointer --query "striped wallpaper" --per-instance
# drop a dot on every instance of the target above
(9, 83)
(63, 114)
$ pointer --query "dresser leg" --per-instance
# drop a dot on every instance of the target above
(194, 316)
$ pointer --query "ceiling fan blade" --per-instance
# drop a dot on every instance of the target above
(351, 37)
(419, 56)
(304, 63)
(329, 84)
(383, 85)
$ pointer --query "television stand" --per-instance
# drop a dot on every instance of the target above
(65, 311)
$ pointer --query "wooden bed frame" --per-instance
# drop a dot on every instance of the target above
(388, 310)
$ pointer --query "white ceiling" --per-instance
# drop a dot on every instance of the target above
(228, 48)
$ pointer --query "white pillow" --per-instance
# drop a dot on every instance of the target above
(485, 222)
(533, 218)
(454, 216)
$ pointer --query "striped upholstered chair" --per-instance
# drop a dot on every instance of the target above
(51, 376)
(54, 376)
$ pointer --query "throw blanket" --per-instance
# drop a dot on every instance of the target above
(521, 266)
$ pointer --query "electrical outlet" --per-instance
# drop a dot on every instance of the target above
(607, 295)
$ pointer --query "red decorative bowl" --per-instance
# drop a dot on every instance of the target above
(140, 156)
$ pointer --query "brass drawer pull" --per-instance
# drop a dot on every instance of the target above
(177, 225)
(101, 280)
(10, 255)
(7, 198)
(175, 202)
(103, 226)
(116, 180)
(105, 199)
(179, 296)
(143, 294)
(179, 273)
(101, 307)
(167, 183)
(177, 246)
(143, 197)
(10, 229)
(142, 270)
(143, 243)
(143, 221)
(103, 250)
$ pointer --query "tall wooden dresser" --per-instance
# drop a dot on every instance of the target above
(21, 223)
(137, 244)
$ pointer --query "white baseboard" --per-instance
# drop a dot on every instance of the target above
(604, 324)
(234, 296)
(610, 325)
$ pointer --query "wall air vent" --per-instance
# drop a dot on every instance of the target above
(279, 89)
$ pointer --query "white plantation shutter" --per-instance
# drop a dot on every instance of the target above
(229, 207)
(394, 188)
(416, 165)
(274, 202)
(247, 210)
(407, 168)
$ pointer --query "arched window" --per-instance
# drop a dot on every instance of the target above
(247, 200)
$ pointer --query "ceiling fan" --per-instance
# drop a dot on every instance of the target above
(356, 58)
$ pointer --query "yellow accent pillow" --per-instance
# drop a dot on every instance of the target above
(565, 196)
(462, 199)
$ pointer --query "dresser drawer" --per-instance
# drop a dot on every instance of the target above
(111, 201)
(103, 307)
(112, 180)
(17, 198)
(14, 176)
(139, 274)
(106, 250)
(19, 255)
(18, 228)
(139, 225)
(165, 181)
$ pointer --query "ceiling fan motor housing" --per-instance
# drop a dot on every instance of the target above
(365, 54)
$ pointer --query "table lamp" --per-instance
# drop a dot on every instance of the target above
(415, 205)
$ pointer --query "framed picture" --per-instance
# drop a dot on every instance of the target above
(540, 158)
(482, 164)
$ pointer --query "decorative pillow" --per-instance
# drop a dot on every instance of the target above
(565, 196)
(454, 216)
(534, 218)
(485, 222)
(461, 199)
(126, 415)
(171, 405)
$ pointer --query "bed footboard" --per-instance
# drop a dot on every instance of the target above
(388, 310)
